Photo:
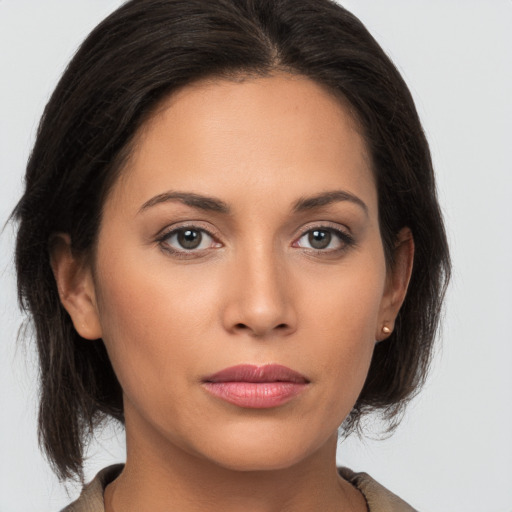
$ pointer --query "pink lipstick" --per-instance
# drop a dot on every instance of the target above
(256, 387)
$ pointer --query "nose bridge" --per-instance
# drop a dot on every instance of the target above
(259, 302)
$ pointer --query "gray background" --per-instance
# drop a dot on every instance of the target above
(453, 451)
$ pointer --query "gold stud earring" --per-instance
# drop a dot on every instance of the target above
(386, 330)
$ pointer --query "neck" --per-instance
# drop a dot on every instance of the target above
(160, 476)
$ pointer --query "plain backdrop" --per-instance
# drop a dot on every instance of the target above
(453, 451)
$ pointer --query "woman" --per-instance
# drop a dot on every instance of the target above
(230, 242)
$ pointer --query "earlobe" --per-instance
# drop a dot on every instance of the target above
(397, 282)
(76, 287)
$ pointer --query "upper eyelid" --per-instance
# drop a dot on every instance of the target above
(337, 232)
(198, 225)
(327, 225)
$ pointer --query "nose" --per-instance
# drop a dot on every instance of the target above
(259, 299)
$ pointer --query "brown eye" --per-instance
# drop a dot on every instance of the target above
(319, 239)
(325, 239)
(189, 238)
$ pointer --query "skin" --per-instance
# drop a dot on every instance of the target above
(256, 291)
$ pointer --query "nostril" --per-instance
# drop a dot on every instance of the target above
(241, 326)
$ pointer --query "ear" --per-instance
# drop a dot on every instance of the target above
(397, 281)
(76, 287)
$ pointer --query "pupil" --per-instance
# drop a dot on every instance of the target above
(320, 239)
(189, 239)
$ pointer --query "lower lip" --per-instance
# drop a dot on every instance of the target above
(255, 395)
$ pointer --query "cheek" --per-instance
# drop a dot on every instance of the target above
(346, 299)
(342, 317)
(152, 321)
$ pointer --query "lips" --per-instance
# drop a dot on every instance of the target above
(256, 387)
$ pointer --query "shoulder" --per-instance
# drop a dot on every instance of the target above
(91, 498)
(378, 498)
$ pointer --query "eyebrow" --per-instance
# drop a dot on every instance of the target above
(216, 205)
(211, 204)
(327, 198)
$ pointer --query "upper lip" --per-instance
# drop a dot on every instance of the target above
(255, 373)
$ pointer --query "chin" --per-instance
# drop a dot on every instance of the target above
(262, 451)
(258, 460)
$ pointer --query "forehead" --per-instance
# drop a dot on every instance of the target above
(267, 134)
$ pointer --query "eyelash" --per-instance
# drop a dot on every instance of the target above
(346, 240)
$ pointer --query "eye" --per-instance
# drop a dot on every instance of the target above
(188, 239)
(324, 239)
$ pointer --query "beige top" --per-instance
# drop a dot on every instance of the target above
(378, 498)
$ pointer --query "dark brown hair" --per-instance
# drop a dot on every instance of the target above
(137, 56)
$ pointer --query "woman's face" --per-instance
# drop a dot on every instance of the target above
(243, 231)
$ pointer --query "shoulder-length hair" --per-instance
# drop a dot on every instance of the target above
(137, 56)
